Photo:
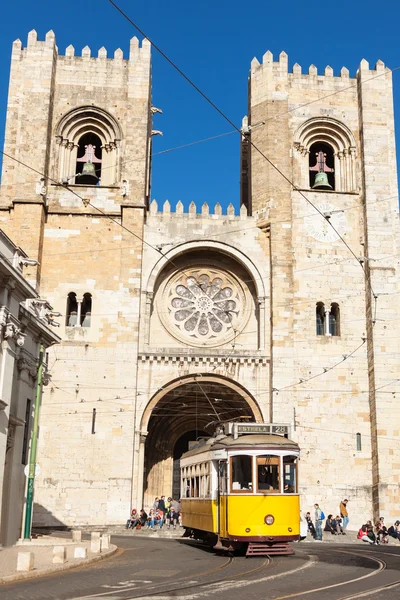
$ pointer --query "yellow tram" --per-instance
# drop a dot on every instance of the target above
(241, 487)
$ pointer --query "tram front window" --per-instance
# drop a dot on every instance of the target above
(290, 474)
(241, 473)
(268, 474)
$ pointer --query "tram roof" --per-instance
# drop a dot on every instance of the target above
(225, 442)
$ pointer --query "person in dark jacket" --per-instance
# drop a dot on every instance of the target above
(161, 504)
(339, 527)
(330, 525)
(310, 525)
(393, 531)
(143, 517)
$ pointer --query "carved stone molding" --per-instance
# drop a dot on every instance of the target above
(10, 437)
(11, 327)
(24, 364)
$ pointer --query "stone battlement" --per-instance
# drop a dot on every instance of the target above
(136, 52)
(280, 70)
(192, 212)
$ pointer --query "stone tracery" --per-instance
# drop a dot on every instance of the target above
(205, 305)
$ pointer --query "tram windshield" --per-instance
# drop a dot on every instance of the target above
(242, 479)
(268, 474)
(290, 474)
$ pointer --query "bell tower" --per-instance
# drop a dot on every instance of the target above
(74, 195)
(333, 235)
(78, 122)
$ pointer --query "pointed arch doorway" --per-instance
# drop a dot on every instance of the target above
(184, 411)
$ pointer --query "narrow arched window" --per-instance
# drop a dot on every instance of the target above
(86, 310)
(71, 317)
(320, 318)
(334, 319)
(321, 166)
(88, 163)
(358, 441)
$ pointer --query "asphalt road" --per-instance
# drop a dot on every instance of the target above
(158, 569)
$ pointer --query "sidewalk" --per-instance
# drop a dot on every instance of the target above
(42, 548)
(327, 538)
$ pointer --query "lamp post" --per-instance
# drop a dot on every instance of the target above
(32, 456)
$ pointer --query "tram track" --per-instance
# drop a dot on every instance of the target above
(360, 594)
(160, 588)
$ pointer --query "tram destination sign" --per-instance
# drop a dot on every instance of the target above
(258, 428)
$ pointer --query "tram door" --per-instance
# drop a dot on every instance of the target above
(222, 508)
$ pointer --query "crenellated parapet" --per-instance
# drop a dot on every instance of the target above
(137, 53)
(192, 213)
(280, 69)
(275, 77)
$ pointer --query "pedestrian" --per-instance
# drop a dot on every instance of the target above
(172, 518)
(310, 525)
(344, 514)
(382, 533)
(330, 525)
(319, 518)
(155, 503)
(176, 505)
(363, 535)
(161, 504)
(339, 527)
(133, 519)
(393, 531)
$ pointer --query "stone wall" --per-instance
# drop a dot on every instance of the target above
(273, 264)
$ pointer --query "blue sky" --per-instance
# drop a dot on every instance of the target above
(213, 42)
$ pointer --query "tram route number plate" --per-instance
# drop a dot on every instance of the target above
(265, 428)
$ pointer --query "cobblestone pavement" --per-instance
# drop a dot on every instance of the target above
(177, 568)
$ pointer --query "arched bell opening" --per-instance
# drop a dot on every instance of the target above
(184, 414)
(321, 166)
(88, 163)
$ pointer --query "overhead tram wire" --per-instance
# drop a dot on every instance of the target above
(238, 130)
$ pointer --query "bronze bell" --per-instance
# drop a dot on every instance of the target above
(321, 182)
(88, 175)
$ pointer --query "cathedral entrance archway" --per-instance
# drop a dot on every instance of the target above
(184, 411)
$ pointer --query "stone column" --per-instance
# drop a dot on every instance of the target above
(139, 448)
(261, 325)
(78, 316)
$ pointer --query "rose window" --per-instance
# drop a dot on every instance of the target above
(205, 305)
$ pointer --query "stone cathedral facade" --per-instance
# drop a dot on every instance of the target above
(179, 320)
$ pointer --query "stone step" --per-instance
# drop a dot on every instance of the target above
(156, 532)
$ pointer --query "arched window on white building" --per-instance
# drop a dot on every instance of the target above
(334, 319)
(72, 310)
(79, 310)
(88, 135)
(325, 145)
(327, 320)
(320, 318)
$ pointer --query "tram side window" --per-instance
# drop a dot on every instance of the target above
(268, 474)
(195, 487)
(290, 474)
(223, 477)
(241, 473)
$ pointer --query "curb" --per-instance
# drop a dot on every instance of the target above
(53, 569)
(149, 536)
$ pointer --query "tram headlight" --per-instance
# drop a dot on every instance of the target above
(269, 519)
